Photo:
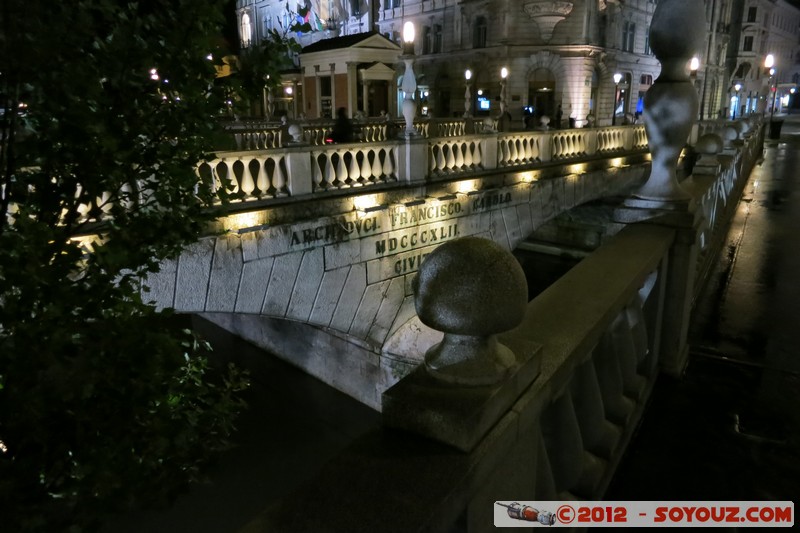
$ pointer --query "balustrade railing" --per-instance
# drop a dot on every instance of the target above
(272, 173)
(450, 155)
(343, 166)
(562, 438)
(569, 425)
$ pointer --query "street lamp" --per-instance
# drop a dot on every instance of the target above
(617, 79)
(694, 65)
(769, 63)
(467, 94)
(737, 87)
(503, 76)
(409, 81)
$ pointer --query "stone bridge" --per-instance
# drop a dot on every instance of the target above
(324, 280)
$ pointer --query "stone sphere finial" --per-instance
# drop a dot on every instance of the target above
(677, 29)
(709, 144)
(471, 289)
(296, 132)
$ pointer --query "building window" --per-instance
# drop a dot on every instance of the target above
(391, 4)
(427, 40)
(748, 44)
(479, 35)
(437, 38)
(647, 49)
(752, 14)
(646, 79)
(245, 30)
(628, 36)
(325, 97)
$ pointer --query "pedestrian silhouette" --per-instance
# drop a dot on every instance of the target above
(343, 128)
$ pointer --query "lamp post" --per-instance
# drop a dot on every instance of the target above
(769, 63)
(617, 79)
(737, 87)
(409, 81)
(503, 76)
(694, 66)
(467, 94)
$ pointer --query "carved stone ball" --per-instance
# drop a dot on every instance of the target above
(677, 29)
(743, 127)
(296, 132)
(729, 134)
(709, 144)
(471, 286)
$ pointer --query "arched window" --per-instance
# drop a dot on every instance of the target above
(479, 33)
(245, 30)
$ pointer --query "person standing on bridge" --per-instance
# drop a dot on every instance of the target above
(343, 128)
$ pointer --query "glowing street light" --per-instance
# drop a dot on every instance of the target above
(769, 63)
(467, 94)
(409, 81)
(503, 76)
(737, 87)
(617, 79)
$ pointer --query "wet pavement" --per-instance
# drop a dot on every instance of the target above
(730, 429)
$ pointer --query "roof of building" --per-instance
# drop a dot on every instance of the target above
(345, 41)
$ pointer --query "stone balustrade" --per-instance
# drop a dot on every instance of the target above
(313, 167)
(562, 435)
(554, 424)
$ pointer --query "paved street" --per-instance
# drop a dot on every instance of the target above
(731, 428)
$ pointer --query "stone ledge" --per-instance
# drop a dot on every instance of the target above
(459, 416)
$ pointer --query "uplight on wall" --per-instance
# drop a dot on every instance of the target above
(466, 187)
(242, 221)
(362, 203)
(578, 168)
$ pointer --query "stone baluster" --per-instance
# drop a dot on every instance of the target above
(599, 435)
(670, 106)
(562, 437)
(677, 32)
(619, 407)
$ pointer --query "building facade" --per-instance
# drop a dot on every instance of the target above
(561, 56)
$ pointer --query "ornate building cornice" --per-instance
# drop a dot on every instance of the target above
(547, 13)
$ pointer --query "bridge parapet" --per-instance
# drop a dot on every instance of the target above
(269, 174)
(573, 414)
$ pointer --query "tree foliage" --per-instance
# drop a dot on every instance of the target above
(106, 109)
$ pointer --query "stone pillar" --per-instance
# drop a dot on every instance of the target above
(365, 96)
(412, 161)
(670, 110)
(352, 88)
